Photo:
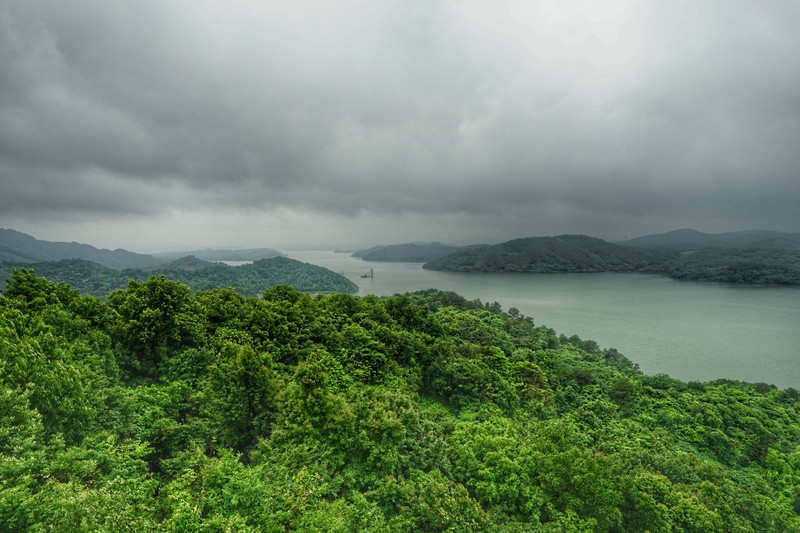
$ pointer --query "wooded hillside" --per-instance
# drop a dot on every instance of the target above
(564, 253)
(165, 410)
(90, 278)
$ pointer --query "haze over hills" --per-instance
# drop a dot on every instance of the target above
(90, 278)
(218, 254)
(19, 247)
(763, 257)
(98, 271)
(563, 253)
(190, 263)
(579, 253)
(410, 252)
(689, 239)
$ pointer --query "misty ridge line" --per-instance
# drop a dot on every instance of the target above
(20, 247)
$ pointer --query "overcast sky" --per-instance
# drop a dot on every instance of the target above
(161, 124)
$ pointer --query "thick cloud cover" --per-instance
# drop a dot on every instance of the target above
(158, 122)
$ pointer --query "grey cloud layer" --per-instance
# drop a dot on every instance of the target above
(407, 107)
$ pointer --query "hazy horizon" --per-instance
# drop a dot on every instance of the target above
(161, 125)
(297, 247)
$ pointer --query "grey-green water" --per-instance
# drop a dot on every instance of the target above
(691, 331)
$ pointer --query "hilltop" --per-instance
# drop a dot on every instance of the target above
(93, 279)
(563, 253)
(684, 254)
(190, 263)
(19, 247)
(689, 239)
(409, 252)
(219, 254)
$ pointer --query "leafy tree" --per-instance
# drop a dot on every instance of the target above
(152, 324)
(242, 390)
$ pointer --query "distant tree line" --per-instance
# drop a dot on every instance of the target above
(251, 279)
(582, 254)
(755, 266)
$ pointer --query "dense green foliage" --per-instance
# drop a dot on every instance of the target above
(775, 267)
(96, 280)
(163, 409)
(565, 253)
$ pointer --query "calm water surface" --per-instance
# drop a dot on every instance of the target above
(689, 330)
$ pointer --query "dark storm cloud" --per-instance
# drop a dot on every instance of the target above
(668, 109)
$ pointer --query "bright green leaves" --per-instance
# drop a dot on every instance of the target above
(100, 485)
(37, 292)
(428, 501)
(241, 396)
(363, 357)
(467, 375)
(42, 366)
(21, 429)
(497, 465)
(422, 412)
(153, 322)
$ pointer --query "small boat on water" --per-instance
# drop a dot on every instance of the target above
(369, 274)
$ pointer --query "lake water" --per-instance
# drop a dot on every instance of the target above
(689, 330)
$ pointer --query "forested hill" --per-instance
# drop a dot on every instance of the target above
(93, 279)
(564, 253)
(689, 239)
(20, 247)
(735, 265)
(409, 252)
(161, 409)
(211, 254)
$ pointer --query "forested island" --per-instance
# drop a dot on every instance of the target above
(217, 254)
(735, 265)
(583, 254)
(164, 409)
(251, 279)
(563, 253)
(410, 252)
(686, 239)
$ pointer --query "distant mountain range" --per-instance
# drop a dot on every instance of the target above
(18, 247)
(410, 252)
(757, 257)
(749, 256)
(97, 271)
(581, 253)
(689, 239)
(210, 254)
(563, 253)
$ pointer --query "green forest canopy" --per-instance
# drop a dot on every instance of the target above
(163, 409)
(249, 279)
